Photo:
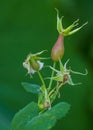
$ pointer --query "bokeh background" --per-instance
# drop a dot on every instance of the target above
(30, 26)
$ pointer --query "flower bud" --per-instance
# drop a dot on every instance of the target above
(47, 105)
(33, 62)
(35, 65)
(58, 49)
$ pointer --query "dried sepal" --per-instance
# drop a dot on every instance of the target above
(70, 29)
(64, 75)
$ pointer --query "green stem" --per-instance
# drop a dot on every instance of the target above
(42, 111)
(47, 99)
(41, 78)
(50, 93)
(53, 96)
(51, 80)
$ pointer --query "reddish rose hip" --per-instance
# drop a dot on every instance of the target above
(58, 49)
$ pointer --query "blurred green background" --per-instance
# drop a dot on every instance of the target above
(30, 26)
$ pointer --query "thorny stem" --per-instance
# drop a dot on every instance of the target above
(51, 80)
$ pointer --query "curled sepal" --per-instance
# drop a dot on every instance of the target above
(74, 72)
(59, 22)
(39, 53)
(69, 30)
(70, 82)
(64, 74)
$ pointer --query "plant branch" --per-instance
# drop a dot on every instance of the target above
(41, 78)
(52, 74)
(53, 96)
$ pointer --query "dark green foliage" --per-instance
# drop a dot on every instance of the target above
(33, 88)
(28, 118)
(23, 116)
(47, 120)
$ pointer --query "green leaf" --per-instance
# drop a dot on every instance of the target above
(48, 119)
(33, 88)
(23, 116)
